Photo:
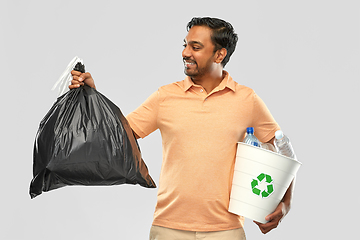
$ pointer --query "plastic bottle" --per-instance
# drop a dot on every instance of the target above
(250, 138)
(268, 146)
(283, 145)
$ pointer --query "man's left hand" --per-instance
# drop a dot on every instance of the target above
(273, 219)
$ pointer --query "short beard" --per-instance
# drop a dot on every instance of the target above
(198, 73)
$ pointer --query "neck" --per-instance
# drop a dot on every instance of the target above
(209, 81)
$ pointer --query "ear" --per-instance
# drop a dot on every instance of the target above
(220, 55)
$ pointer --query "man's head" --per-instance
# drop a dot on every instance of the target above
(223, 35)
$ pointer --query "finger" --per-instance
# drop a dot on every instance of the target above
(74, 86)
(267, 227)
(79, 79)
(261, 227)
(278, 213)
(75, 73)
(87, 75)
(84, 76)
(276, 216)
(271, 216)
(257, 223)
(76, 79)
(76, 82)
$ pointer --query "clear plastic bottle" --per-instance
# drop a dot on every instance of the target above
(283, 145)
(268, 146)
(250, 138)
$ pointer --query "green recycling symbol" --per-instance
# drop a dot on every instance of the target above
(259, 180)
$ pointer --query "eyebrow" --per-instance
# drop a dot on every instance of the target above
(194, 42)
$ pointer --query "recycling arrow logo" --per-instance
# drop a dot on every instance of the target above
(262, 180)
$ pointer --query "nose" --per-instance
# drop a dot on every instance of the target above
(186, 53)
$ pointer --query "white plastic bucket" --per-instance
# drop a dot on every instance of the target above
(261, 178)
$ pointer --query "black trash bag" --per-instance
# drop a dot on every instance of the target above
(85, 140)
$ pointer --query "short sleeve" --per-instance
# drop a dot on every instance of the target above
(143, 120)
(263, 122)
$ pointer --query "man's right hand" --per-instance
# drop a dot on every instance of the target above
(80, 78)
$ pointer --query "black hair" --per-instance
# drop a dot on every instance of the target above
(223, 35)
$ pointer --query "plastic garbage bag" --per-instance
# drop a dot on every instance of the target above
(84, 139)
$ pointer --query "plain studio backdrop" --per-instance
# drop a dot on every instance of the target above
(301, 57)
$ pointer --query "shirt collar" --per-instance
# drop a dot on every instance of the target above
(226, 82)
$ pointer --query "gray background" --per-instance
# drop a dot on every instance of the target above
(301, 57)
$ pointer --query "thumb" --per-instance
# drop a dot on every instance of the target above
(82, 77)
(269, 217)
(87, 78)
(277, 213)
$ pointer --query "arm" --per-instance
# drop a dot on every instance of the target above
(282, 209)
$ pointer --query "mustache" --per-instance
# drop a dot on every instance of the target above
(189, 60)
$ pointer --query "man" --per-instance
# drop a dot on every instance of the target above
(201, 119)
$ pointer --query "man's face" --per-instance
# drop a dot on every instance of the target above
(198, 53)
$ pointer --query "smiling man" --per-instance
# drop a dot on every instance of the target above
(201, 119)
(203, 60)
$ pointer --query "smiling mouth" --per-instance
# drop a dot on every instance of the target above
(189, 64)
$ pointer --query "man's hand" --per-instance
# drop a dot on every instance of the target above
(80, 78)
(273, 219)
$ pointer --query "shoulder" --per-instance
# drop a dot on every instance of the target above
(242, 90)
(239, 89)
(174, 88)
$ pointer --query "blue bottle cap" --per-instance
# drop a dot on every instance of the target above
(250, 130)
